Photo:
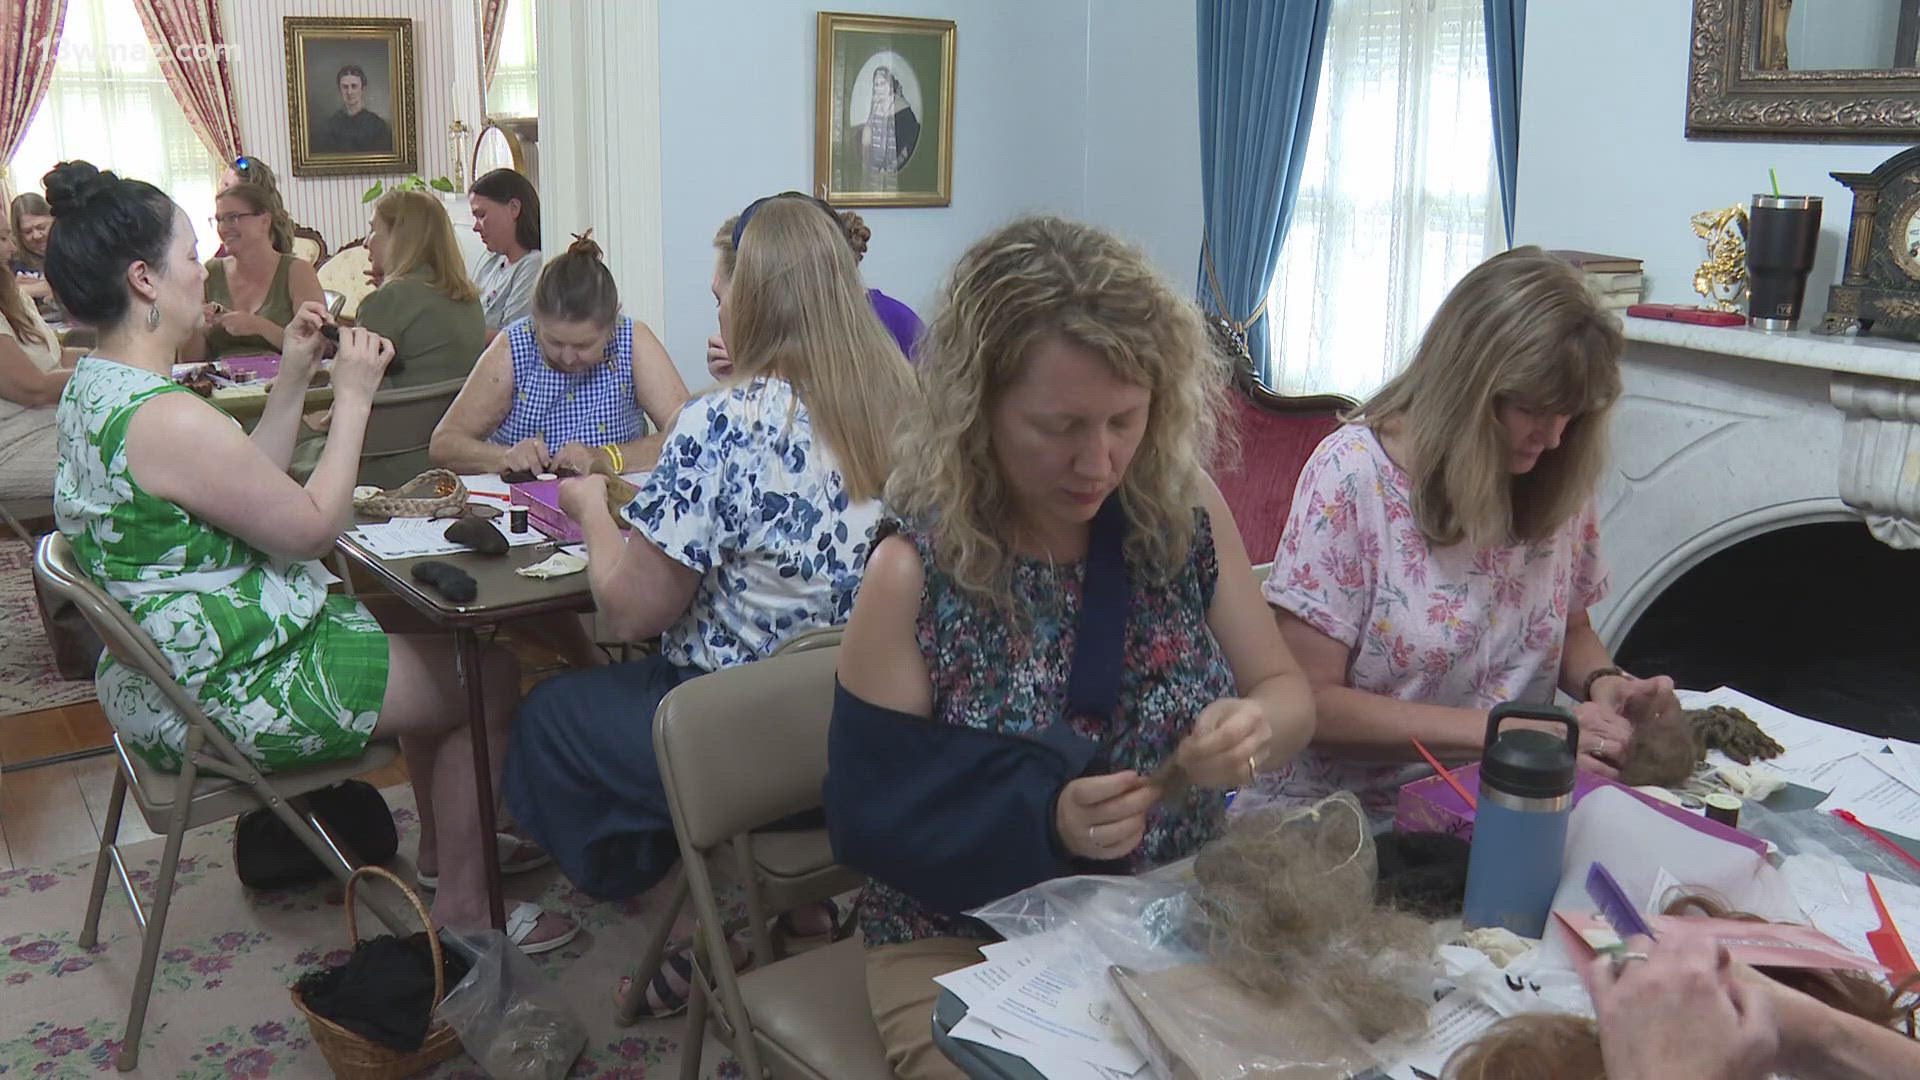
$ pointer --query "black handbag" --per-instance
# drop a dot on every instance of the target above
(958, 816)
(267, 855)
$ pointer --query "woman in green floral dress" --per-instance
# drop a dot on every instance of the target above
(199, 532)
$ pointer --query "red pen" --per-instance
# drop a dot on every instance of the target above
(1878, 837)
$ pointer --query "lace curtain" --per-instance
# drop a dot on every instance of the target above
(109, 104)
(1399, 199)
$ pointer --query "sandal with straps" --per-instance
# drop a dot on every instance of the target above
(667, 990)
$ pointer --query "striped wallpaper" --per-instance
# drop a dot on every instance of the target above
(446, 47)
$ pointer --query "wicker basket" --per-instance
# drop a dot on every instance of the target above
(356, 1057)
(433, 490)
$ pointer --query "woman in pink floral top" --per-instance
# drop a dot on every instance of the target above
(1443, 548)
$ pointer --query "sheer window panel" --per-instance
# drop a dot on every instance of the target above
(1398, 199)
(515, 90)
(108, 103)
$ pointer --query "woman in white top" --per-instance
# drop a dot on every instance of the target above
(506, 214)
(33, 371)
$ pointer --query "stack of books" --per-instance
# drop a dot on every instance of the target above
(1615, 279)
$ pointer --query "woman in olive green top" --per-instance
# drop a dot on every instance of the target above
(426, 305)
(252, 291)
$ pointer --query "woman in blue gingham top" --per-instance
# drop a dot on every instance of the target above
(595, 406)
(566, 388)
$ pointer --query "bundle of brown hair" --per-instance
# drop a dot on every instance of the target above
(1287, 903)
(1561, 1047)
(1666, 746)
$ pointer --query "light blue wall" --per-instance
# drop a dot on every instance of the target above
(1604, 162)
(1085, 108)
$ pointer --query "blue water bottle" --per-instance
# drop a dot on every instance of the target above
(1520, 828)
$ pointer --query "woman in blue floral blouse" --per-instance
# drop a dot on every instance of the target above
(753, 527)
(1066, 387)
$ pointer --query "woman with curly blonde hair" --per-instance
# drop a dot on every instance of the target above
(1443, 548)
(1053, 486)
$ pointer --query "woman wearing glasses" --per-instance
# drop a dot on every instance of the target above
(253, 290)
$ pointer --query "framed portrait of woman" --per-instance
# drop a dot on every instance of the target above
(883, 126)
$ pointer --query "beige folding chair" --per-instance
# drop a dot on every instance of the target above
(215, 782)
(401, 424)
(739, 750)
(780, 870)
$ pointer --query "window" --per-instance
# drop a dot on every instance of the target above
(109, 104)
(515, 90)
(1399, 197)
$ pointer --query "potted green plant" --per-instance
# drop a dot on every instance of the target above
(411, 182)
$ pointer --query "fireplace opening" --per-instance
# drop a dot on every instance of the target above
(1822, 620)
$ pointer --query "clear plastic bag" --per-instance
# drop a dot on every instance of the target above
(1144, 940)
(503, 1014)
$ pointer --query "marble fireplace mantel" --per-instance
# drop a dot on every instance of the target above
(1727, 433)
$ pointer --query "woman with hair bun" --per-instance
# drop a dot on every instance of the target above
(568, 388)
(219, 563)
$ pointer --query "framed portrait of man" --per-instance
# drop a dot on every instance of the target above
(351, 107)
(883, 101)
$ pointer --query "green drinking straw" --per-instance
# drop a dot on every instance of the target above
(1776, 181)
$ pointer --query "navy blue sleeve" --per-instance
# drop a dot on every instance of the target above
(952, 816)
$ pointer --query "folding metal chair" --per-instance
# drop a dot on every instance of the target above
(215, 782)
(780, 870)
(739, 750)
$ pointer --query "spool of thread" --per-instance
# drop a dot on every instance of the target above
(517, 519)
(1724, 809)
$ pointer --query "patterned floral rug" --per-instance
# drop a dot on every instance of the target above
(28, 680)
(220, 1008)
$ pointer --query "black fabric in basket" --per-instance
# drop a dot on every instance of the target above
(384, 992)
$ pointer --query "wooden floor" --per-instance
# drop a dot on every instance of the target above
(53, 812)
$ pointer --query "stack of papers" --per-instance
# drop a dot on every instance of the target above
(1877, 780)
(405, 538)
(1836, 901)
(1033, 1000)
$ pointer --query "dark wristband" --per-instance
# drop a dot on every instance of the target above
(1594, 676)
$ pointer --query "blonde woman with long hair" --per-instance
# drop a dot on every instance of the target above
(426, 305)
(752, 528)
(1443, 548)
(1056, 464)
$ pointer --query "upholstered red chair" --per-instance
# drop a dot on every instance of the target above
(1276, 436)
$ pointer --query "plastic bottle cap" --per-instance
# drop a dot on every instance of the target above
(1528, 764)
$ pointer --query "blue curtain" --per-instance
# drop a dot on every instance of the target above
(1506, 37)
(1259, 73)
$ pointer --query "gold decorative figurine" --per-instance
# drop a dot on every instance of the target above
(1722, 278)
(457, 133)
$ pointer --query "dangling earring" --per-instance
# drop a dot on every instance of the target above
(153, 317)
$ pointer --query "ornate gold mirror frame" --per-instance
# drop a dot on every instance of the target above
(1738, 86)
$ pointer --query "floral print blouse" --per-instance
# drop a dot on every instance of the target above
(744, 495)
(988, 673)
(1458, 626)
